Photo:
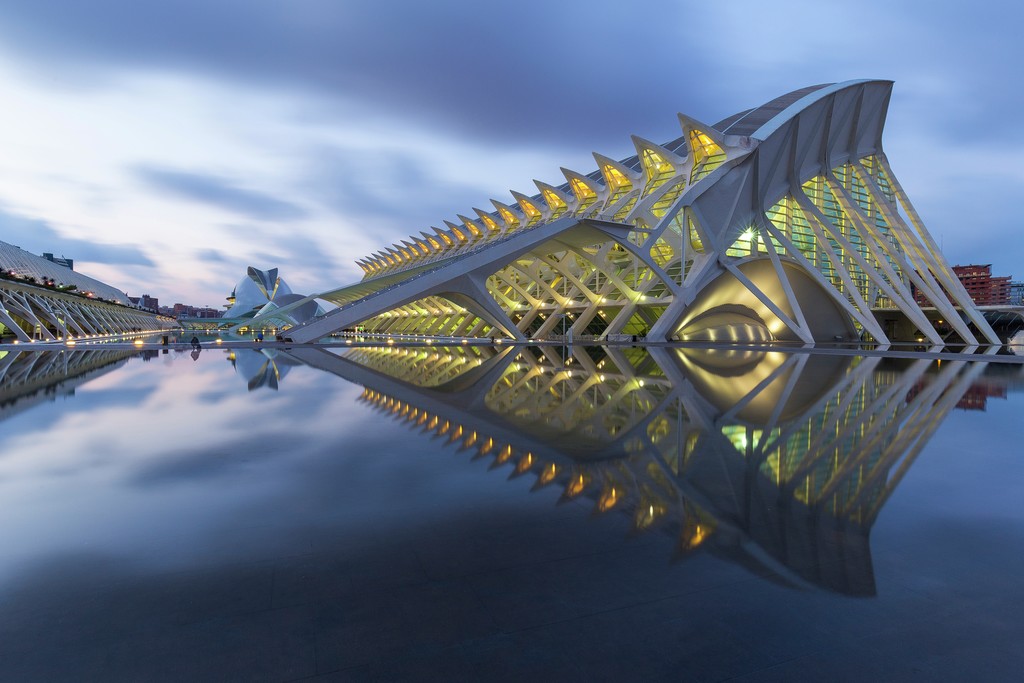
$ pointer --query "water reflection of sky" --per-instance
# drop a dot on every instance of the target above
(175, 454)
(166, 467)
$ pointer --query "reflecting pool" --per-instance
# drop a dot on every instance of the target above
(509, 513)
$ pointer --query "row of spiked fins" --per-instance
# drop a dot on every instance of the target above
(601, 192)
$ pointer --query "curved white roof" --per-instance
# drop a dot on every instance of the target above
(17, 260)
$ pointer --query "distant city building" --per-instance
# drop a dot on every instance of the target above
(187, 311)
(146, 301)
(981, 286)
(985, 290)
(1017, 293)
(60, 261)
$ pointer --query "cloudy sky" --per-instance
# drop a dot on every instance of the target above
(167, 145)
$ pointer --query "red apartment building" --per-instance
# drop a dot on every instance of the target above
(983, 288)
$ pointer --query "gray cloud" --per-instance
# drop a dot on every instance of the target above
(497, 74)
(539, 72)
(219, 192)
(212, 256)
(363, 185)
(306, 264)
(37, 236)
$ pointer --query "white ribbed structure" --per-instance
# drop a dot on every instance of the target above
(780, 223)
(29, 309)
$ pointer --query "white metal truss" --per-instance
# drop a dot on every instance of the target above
(784, 222)
(33, 312)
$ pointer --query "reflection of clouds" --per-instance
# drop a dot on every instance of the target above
(81, 465)
(181, 447)
(201, 460)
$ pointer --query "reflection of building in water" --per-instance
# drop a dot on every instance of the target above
(976, 398)
(261, 367)
(775, 461)
(31, 377)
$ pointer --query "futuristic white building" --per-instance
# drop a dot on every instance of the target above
(40, 299)
(779, 223)
(262, 292)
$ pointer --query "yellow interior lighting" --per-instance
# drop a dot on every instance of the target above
(703, 146)
(554, 202)
(510, 218)
(491, 224)
(614, 177)
(529, 209)
(654, 164)
(581, 189)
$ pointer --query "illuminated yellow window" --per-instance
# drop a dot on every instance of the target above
(661, 252)
(553, 201)
(696, 243)
(510, 218)
(657, 169)
(621, 214)
(617, 182)
(533, 214)
(743, 246)
(614, 177)
(707, 155)
(491, 224)
(581, 190)
(666, 200)
(459, 234)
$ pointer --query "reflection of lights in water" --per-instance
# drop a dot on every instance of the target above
(608, 499)
(736, 395)
(504, 455)
(576, 485)
(694, 533)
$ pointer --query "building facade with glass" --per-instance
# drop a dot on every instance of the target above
(784, 222)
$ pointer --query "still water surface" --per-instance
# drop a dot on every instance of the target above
(508, 513)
